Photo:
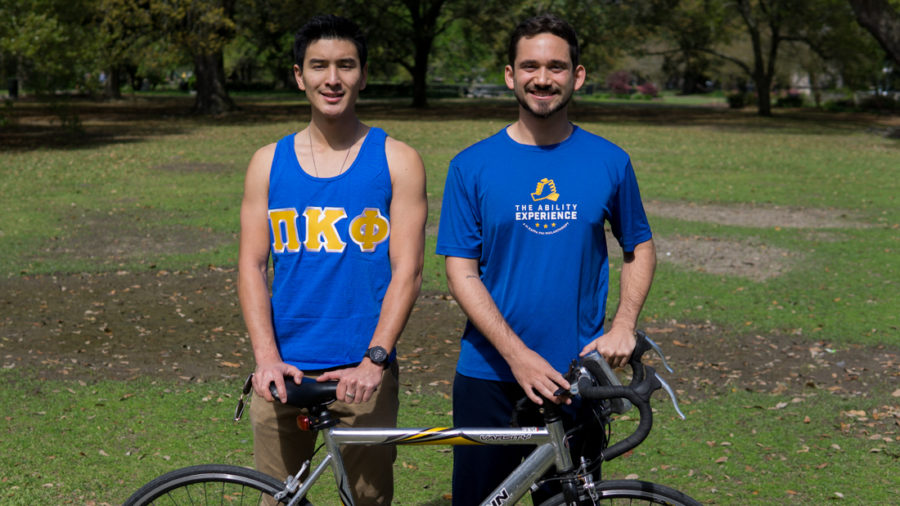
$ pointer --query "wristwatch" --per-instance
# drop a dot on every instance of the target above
(378, 355)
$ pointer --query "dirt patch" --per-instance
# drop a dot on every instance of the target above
(188, 325)
(751, 259)
(756, 216)
(122, 235)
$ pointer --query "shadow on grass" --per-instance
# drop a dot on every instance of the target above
(77, 123)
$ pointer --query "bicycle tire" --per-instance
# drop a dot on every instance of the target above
(208, 484)
(633, 491)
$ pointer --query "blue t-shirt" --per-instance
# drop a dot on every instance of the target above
(534, 218)
(330, 254)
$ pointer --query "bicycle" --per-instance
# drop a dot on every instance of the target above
(591, 379)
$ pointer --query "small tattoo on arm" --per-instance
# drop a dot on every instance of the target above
(471, 276)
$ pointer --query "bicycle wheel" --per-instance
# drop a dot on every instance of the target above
(208, 484)
(630, 492)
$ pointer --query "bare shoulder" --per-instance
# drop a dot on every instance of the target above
(402, 158)
(263, 156)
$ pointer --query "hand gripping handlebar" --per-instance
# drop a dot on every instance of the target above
(644, 381)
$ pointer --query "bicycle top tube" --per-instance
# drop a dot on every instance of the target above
(446, 436)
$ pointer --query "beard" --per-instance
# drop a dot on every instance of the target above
(543, 111)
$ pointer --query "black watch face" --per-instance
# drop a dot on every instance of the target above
(378, 355)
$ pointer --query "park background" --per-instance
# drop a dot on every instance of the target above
(764, 137)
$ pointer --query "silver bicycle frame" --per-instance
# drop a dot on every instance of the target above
(550, 451)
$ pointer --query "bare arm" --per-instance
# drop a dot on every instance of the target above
(637, 276)
(253, 286)
(534, 374)
(409, 210)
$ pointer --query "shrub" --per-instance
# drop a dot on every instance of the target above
(739, 100)
(648, 89)
(619, 82)
(790, 100)
(879, 103)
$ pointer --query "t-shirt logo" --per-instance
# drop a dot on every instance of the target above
(544, 215)
(546, 190)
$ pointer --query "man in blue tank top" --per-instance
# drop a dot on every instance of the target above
(340, 207)
(522, 229)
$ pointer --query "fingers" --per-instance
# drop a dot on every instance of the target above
(268, 374)
(358, 384)
(538, 378)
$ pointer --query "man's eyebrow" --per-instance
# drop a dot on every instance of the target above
(341, 61)
(558, 63)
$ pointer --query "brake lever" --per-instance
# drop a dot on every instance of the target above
(659, 352)
(671, 393)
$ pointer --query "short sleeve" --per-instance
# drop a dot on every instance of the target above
(627, 217)
(459, 230)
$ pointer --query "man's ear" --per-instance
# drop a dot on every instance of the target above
(364, 77)
(580, 76)
(510, 77)
(298, 76)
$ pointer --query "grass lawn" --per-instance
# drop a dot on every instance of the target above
(129, 196)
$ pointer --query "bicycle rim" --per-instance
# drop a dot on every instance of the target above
(630, 492)
(208, 484)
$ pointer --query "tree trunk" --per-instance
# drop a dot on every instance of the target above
(212, 97)
(420, 74)
(883, 21)
(112, 88)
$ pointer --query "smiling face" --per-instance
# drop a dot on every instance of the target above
(332, 76)
(543, 76)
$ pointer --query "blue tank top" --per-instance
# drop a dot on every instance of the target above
(330, 254)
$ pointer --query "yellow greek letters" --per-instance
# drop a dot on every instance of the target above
(369, 229)
(284, 230)
(321, 231)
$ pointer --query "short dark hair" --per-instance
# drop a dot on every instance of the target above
(544, 23)
(329, 26)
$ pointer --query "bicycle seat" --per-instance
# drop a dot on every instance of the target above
(308, 393)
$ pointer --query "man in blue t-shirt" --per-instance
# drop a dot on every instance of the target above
(522, 229)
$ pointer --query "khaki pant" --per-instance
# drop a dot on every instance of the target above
(280, 447)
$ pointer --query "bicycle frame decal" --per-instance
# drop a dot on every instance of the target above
(443, 436)
(500, 498)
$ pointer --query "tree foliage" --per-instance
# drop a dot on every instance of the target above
(66, 44)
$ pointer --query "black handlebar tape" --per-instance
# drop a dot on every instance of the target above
(639, 395)
(640, 347)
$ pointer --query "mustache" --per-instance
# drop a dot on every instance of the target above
(554, 90)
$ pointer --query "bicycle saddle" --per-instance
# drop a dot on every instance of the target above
(308, 393)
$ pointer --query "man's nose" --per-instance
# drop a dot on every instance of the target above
(543, 77)
(332, 76)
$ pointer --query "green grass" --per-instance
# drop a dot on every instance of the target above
(816, 161)
(68, 442)
(79, 443)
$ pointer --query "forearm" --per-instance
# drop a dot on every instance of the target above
(396, 307)
(473, 297)
(256, 307)
(635, 281)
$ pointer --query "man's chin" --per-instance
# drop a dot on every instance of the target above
(542, 111)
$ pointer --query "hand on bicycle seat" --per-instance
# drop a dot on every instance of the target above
(274, 372)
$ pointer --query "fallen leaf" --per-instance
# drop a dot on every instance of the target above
(721, 460)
